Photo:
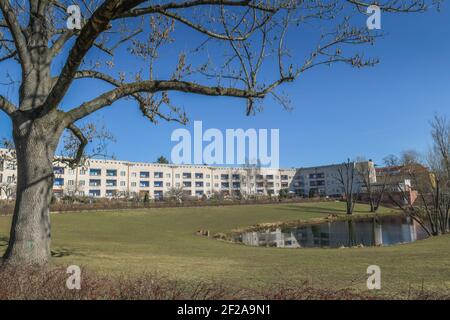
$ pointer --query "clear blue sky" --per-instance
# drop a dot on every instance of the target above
(339, 112)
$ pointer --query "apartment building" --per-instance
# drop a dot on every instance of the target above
(7, 175)
(110, 178)
(113, 178)
(325, 180)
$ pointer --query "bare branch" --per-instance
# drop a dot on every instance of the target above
(110, 97)
(98, 23)
(16, 32)
(7, 106)
(83, 142)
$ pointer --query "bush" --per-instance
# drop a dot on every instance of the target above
(50, 284)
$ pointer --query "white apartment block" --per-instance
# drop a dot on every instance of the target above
(324, 180)
(112, 178)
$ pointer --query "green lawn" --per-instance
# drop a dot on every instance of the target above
(164, 240)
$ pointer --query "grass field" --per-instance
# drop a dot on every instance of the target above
(164, 240)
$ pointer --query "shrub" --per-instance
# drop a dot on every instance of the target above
(50, 284)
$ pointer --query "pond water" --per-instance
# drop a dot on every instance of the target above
(375, 231)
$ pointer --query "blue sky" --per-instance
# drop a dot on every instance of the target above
(338, 111)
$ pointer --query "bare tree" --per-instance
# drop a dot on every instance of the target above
(176, 193)
(432, 211)
(367, 175)
(249, 34)
(346, 178)
(8, 188)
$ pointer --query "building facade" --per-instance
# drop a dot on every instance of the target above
(113, 178)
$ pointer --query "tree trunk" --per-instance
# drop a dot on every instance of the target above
(35, 141)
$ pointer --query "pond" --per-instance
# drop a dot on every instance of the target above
(374, 231)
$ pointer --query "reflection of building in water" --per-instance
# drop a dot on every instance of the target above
(275, 238)
(368, 232)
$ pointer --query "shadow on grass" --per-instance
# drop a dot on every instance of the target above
(56, 253)
(311, 209)
(63, 252)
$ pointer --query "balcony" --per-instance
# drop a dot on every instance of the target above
(111, 183)
(144, 174)
(236, 177)
(158, 184)
(94, 193)
(111, 193)
(187, 175)
(111, 173)
(58, 170)
(187, 184)
(199, 184)
(224, 177)
(199, 176)
(59, 182)
(144, 184)
(95, 183)
(95, 172)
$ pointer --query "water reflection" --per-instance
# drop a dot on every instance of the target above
(376, 231)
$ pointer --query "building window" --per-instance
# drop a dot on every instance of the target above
(111, 193)
(320, 175)
(70, 182)
(187, 184)
(187, 175)
(177, 175)
(158, 184)
(198, 175)
(95, 172)
(111, 173)
(82, 183)
(82, 172)
(144, 174)
(133, 184)
(122, 183)
(123, 173)
(111, 183)
(167, 175)
(199, 184)
(235, 176)
(158, 175)
(144, 184)
(58, 170)
(58, 182)
(208, 176)
(224, 176)
(94, 193)
(94, 182)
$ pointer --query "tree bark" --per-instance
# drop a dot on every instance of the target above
(35, 141)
